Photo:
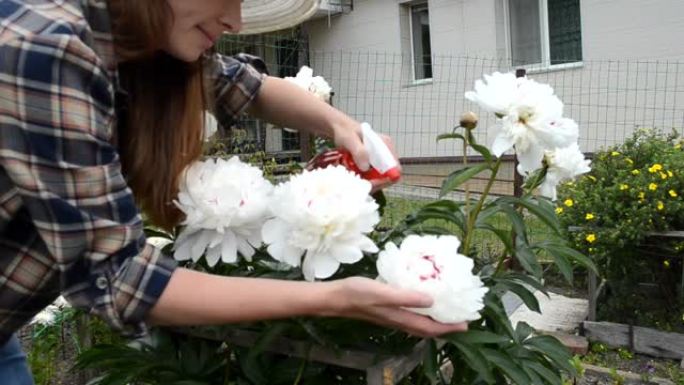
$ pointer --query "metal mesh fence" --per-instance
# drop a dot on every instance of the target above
(609, 99)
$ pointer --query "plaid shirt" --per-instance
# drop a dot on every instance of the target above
(68, 221)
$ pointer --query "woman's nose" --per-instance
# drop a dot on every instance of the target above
(232, 17)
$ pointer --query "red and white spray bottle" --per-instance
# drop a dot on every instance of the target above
(383, 165)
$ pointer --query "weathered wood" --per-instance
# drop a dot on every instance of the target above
(642, 340)
(611, 334)
(380, 369)
(593, 295)
(658, 344)
(394, 369)
(558, 313)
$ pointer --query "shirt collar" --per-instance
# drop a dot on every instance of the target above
(96, 14)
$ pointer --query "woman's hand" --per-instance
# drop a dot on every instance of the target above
(349, 138)
(372, 301)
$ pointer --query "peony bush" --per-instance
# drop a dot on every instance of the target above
(322, 224)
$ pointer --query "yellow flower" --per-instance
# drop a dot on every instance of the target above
(661, 205)
(569, 202)
(663, 175)
(589, 216)
(614, 153)
(655, 168)
(666, 263)
(624, 187)
(673, 193)
(559, 210)
(629, 161)
(642, 195)
(636, 172)
(591, 238)
(652, 186)
(670, 174)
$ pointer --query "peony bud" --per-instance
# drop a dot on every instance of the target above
(469, 120)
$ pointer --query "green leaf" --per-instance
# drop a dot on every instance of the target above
(551, 377)
(430, 364)
(476, 360)
(484, 151)
(503, 235)
(541, 211)
(523, 278)
(452, 135)
(513, 215)
(508, 365)
(474, 337)
(525, 295)
(495, 311)
(527, 258)
(552, 348)
(523, 330)
(458, 177)
(574, 255)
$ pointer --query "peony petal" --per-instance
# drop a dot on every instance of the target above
(245, 249)
(346, 253)
(213, 255)
(319, 266)
(275, 230)
(229, 248)
(530, 160)
(283, 252)
(502, 143)
(200, 244)
(366, 244)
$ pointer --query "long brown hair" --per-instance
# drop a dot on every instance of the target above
(161, 132)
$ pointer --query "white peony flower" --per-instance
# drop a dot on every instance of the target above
(47, 315)
(530, 117)
(325, 213)
(226, 204)
(314, 84)
(564, 163)
(432, 265)
(210, 125)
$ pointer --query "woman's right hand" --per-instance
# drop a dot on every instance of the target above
(376, 302)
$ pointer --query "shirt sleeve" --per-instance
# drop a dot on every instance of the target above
(236, 81)
(56, 122)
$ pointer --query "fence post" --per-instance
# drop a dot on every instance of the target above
(517, 178)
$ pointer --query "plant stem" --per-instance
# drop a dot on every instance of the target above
(472, 216)
(465, 165)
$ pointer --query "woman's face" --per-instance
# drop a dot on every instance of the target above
(198, 24)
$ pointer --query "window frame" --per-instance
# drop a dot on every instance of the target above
(410, 6)
(545, 65)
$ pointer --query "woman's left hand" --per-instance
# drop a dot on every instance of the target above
(350, 140)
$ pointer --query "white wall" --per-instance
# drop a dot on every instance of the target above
(360, 54)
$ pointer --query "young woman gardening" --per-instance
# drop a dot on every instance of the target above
(101, 106)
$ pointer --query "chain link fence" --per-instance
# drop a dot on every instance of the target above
(609, 99)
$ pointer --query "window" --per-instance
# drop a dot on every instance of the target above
(544, 32)
(420, 41)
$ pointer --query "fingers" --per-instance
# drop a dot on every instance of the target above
(414, 324)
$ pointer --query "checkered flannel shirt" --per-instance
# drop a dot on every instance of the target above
(68, 221)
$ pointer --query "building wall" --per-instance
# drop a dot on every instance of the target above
(632, 74)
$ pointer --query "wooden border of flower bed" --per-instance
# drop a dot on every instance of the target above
(638, 339)
(380, 369)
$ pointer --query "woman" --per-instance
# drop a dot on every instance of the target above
(101, 106)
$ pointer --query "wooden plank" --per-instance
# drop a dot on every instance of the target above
(558, 313)
(628, 378)
(611, 334)
(345, 358)
(642, 340)
(394, 369)
(658, 344)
